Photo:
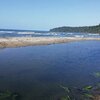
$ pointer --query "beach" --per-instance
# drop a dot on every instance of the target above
(31, 41)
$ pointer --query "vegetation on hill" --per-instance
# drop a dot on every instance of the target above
(86, 29)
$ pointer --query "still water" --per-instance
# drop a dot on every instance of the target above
(36, 72)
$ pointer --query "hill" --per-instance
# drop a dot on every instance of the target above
(85, 29)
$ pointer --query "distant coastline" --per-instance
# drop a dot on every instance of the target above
(83, 29)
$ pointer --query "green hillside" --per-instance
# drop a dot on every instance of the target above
(86, 29)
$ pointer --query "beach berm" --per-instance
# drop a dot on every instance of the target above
(31, 41)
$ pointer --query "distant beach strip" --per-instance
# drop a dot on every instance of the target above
(31, 41)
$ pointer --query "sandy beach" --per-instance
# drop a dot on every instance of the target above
(31, 41)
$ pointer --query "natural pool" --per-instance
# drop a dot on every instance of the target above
(45, 72)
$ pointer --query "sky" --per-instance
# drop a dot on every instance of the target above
(47, 14)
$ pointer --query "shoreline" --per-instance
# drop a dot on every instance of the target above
(32, 41)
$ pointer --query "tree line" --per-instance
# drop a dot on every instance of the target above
(85, 29)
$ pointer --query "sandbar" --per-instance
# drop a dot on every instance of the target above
(31, 41)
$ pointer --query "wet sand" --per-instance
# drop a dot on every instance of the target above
(31, 41)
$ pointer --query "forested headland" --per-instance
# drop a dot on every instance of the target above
(85, 29)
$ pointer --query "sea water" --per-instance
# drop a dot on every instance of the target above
(46, 34)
